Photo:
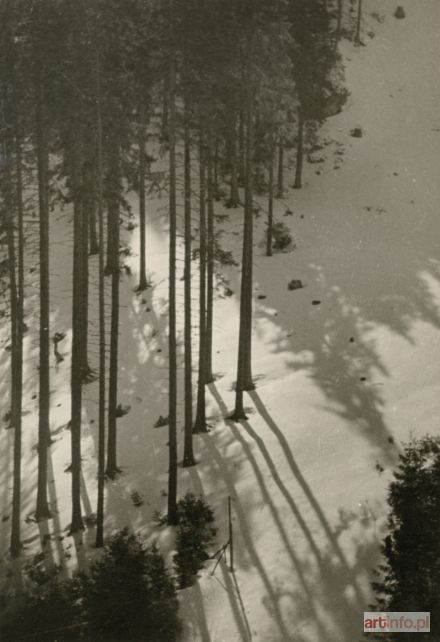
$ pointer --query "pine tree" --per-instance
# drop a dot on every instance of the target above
(410, 575)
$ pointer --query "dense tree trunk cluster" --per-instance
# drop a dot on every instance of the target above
(84, 86)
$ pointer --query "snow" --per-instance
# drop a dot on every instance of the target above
(309, 504)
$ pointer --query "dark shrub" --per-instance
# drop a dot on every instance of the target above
(195, 533)
(410, 575)
(48, 609)
(129, 594)
(282, 237)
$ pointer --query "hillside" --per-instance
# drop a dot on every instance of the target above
(346, 368)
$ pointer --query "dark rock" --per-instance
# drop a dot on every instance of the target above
(316, 302)
(162, 421)
(295, 284)
(136, 498)
(363, 379)
(400, 13)
(357, 132)
(261, 296)
(122, 409)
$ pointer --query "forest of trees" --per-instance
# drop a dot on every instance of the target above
(84, 85)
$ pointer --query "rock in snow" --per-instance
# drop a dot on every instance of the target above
(295, 284)
(357, 132)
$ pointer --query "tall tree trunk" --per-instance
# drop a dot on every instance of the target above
(270, 198)
(241, 149)
(200, 422)
(357, 38)
(216, 162)
(16, 385)
(209, 377)
(299, 151)
(114, 171)
(20, 313)
(234, 197)
(188, 454)
(280, 182)
(339, 22)
(77, 340)
(87, 207)
(101, 305)
(94, 245)
(143, 283)
(166, 97)
(172, 348)
(42, 509)
(244, 369)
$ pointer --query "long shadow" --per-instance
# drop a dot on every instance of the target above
(230, 584)
(236, 601)
(53, 503)
(298, 566)
(327, 574)
(272, 594)
(286, 494)
(306, 489)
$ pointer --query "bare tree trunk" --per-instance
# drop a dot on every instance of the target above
(241, 149)
(87, 207)
(244, 370)
(20, 320)
(77, 341)
(101, 296)
(200, 422)
(143, 283)
(94, 245)
(172, 349)
(234, 198)
(112, 468)
(16, 384)
(270, 198)
(357, 38)
(280, 183)
(209, 377)
(166, 92)
(188, 454)
(42, 509)
(299, 152)
(216, 162)
(339, 21)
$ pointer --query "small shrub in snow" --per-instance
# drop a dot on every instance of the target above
(282, 239)
(195, 533)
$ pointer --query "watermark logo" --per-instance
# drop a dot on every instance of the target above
(397, 622)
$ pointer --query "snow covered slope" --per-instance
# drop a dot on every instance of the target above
(339, 384)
